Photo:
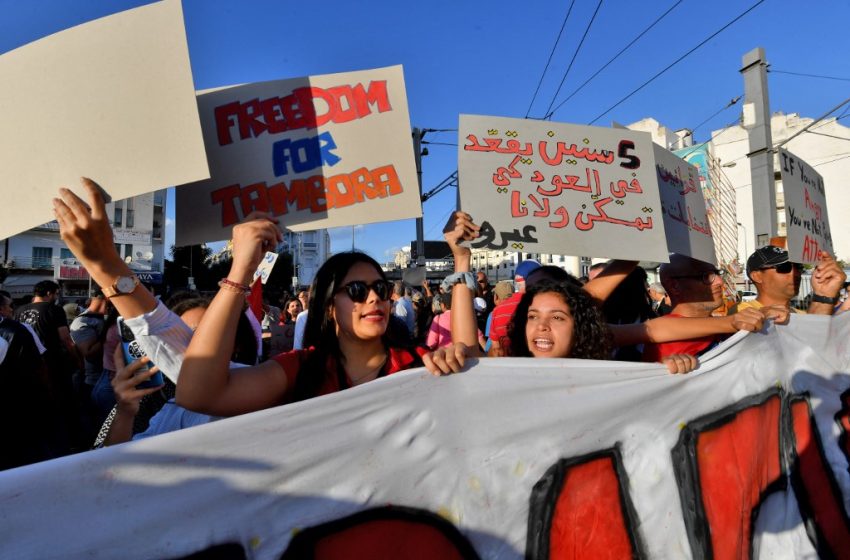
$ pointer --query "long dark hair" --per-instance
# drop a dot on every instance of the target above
(320, 331)
(591, 337)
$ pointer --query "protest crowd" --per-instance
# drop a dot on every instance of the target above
(73, 386)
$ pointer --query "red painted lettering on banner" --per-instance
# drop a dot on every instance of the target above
(306, 107)
(581, 509)
(737, 462)
(815, 486)
(316, 193)
(384, 533)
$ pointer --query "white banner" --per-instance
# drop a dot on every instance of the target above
(319, 152)
(514, 458)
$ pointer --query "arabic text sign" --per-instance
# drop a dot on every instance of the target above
(806, 218)
(112, 99)
(546, 187)
(683, 206)
(317, 152)
(491, 451)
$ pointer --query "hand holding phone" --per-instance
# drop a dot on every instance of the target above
(133, 352)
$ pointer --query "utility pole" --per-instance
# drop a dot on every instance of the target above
(757, 123)
(418, 134)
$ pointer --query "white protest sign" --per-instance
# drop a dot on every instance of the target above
(598, 458)
(686, 221)
(318, 152)
(112, 99)
(806, 218)
(537, 186)
(264, 269)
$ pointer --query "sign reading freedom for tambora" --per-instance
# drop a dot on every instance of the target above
(544, 187)
(805, 209)
(316, 152)
(683, 206)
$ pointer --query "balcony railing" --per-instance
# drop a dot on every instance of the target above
(51, 263)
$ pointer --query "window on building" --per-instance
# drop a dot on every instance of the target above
(42, 257)
(129, 218)
(65, 254)
(118, 215)
(118, 248)
(128, 250)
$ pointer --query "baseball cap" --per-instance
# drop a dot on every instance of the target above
(525, 268)
(766, 257)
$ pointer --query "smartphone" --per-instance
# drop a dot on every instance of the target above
(133, 352)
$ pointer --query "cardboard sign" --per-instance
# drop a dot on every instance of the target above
(806, 218)
(544, 187)
(686, 221)
(316, 152)
(111, 99)
(743, 454)
(264, 269)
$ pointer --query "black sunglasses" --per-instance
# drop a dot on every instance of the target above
(706, 277)
(785, 267)
(358, 291)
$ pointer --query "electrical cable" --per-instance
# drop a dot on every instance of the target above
(678, 60)
(772, 71)
(615, 57)
(545, 68)
(575, 54)
(811, 124)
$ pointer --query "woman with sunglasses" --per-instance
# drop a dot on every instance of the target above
(350, 335)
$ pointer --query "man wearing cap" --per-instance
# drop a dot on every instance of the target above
(502, 313)
(777, 281)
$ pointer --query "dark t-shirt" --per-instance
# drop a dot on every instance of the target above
(46, 318)
(23, 399)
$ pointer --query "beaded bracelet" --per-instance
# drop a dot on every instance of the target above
(226, 284)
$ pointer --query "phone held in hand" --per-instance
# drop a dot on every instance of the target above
(133, 352)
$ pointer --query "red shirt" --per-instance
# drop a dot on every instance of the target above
(694, 346)
(502, 316)
(399, 359)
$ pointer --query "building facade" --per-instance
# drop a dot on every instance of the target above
(309, 250)
(138, 225)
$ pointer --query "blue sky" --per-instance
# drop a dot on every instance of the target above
(486, 57)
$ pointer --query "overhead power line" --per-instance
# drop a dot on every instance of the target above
(575, 54)
(551, 53)
(772, 71)
(615, 57)
(678, 60)
(814, 122)
(732, 102)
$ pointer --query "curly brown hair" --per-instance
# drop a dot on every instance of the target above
(591, 336)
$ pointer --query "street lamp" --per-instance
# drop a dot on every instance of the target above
(746, 254)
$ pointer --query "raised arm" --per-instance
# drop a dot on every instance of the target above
(207, 384)
(669, 329)
(464, 327)
(827, 280)
(85, 229)
(601, 287)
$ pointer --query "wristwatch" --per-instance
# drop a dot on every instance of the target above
(824, 299)
(123, 285)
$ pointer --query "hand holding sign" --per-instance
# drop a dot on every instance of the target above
(251, 240)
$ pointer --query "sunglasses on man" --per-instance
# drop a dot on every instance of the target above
(358, 291)
(707, 277)
(785, 267)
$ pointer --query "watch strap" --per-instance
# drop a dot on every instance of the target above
(112, 290)
(824, 299)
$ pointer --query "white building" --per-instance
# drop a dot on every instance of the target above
(39, 253)
(309, 250)
(824, 146)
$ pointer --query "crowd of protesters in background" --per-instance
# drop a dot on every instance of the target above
(76, 376)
